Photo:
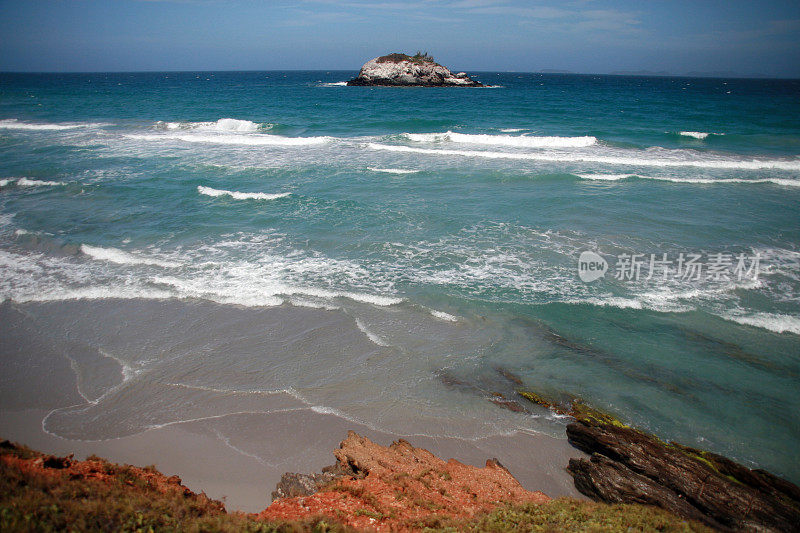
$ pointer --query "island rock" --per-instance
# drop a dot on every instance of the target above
(402, 70)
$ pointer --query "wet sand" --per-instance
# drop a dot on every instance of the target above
(233, 452)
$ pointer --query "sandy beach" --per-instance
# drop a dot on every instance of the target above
(223, 446)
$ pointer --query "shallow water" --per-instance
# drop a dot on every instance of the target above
(387, 254)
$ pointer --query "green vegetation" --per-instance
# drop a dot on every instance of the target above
(577, 409)
(419, 58)
(122, 500)
(111, 497)
(567, 514)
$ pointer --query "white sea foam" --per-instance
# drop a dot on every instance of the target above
(372, 336)
(94, 293)
(771, 321)
(786, 182)
(393, 170)
(504, 140)
(605, 177)
(374, 299)
(512, 130)
(243, 140)
(334, 84)
(313, 304)
(4, 183)
(698, 134)
(127, 371)
(236, 195)
(441, 315)
(120, 257)
(223, 125)
(14, 124)
(223, 291)
(244, 286)
(27, 182)
(752, 164)
(239, 126)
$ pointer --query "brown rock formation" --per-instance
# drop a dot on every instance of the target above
(398, 488)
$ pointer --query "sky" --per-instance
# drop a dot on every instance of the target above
(590, 36)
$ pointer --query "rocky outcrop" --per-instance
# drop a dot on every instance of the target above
(396, 488)
(370, 488)
(630, 466)
(293, 484)
(402, 70)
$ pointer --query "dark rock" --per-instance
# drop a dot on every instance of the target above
(57, 462)
(631, 466)
(292, 484)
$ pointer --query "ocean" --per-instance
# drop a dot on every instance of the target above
(196, 245)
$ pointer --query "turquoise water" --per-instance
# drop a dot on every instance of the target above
(444, 225)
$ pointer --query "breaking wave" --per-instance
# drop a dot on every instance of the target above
(120, 257)
(786, 182)
(504, 140)
(774, 322)
(14, 124)
(697, 134)
(27, 182)
(222, 125)
(753, 164)
(393, 170)
(236, 195)
(245, 140)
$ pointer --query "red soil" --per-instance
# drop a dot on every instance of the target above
(401, 487)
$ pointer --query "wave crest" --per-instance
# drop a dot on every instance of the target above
(236, 195)
(222, 125)
(701, 135)
(753, 164)
(786, 182)
(504, 140)
(120, 257)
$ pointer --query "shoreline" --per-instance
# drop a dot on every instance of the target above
(196, 391)
(206, 463)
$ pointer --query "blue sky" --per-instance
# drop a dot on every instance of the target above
(580, 35)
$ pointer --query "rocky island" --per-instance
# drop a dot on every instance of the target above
(402, 70)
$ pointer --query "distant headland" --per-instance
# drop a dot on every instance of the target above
(402, 70)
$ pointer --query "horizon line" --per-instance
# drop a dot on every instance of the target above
(550, 72)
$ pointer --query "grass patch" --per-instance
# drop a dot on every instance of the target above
(567, 514)
(53, 500)
(418, 58)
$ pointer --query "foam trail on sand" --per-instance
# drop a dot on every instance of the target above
(372, 336)
(504, 140)
(753, 164)
(120, 257)
(382, 301)
(443, 316)
(236, 195)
